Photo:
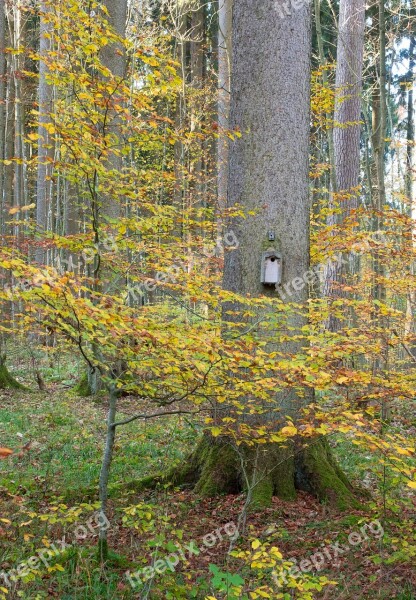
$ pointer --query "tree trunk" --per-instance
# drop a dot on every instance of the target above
(224, 91)
(268, 173)
(7, 381)
(3, 71)
(114, 58)
(43, 188)
(410, 181)
(347, 131)
(105, 473)
(348, 86)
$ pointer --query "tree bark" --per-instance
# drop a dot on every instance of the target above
(105, 473)
(224, 92)
(348, 87)
(3, 70)
(43, 189)
(114, 58)
(269, 174)
(347, 132)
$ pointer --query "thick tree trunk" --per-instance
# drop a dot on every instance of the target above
(217, 467)
(268, 174)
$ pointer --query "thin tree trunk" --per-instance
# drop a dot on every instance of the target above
(410, 182)
(105, 473)
(114, 58)
(322, 60)
(348, 87)
(3, 71)
(43, 188)
(347, 132)
(379, 137)
(224, 93)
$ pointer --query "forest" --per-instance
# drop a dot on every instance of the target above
(207, 299)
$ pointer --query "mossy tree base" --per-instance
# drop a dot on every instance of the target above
(83, 387)
(266, 471)
(7, 381)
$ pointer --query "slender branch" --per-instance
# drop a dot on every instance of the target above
(154, 415)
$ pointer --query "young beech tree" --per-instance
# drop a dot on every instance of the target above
(268, 178)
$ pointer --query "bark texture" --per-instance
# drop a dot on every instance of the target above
(269, 174)
(43, 188)
(224, 92)
(347, 132)
(348, 85)
(3, 67)
(114, 58)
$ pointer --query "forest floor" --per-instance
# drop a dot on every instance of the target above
(48, 489)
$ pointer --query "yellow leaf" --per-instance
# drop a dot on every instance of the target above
(289, 431)
(6, 521)
(275, 552)
(216, 431)
(404, 451)
(412, 484)
(16, 209)
(256, 544)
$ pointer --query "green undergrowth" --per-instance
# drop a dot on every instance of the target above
(65, 436)
(58, 440)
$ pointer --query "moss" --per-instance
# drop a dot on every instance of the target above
(217, 463)
(215, 468)
(326, 480)
(83, 387)
(283, 470)
(7, 381)
(262, 494)
(150, 482)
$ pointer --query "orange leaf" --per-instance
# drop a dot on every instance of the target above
(4, 452)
